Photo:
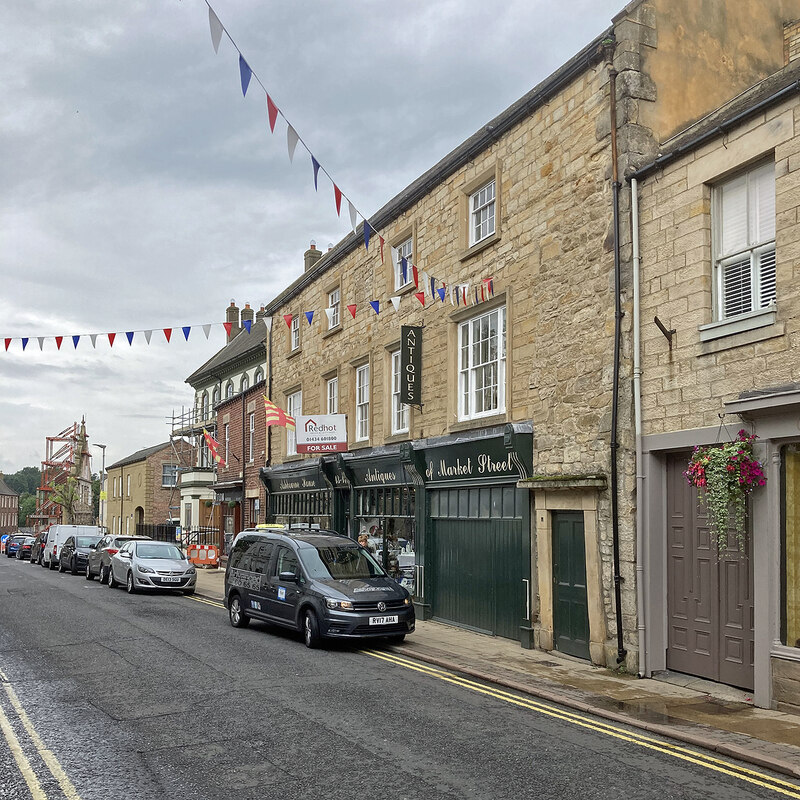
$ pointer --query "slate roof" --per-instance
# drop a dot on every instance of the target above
(139, 455)
(242, 348)
(6, 489)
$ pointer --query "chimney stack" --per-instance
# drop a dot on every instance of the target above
(247, 314)
(791, 41)
(232, 316)
(261, 313)
(312, 255)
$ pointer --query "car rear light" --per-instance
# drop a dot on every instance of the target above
(111, 551)
(55, 549)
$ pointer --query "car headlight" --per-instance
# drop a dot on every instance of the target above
(144, 569)
(191, 571)
(342, 605)
(407, 601)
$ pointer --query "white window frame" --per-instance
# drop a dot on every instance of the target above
(475, 361)
(229, 390)
(399, 410)
(259, 376)
(245, 382)
(362, 403)
(335, 303)
(205, 405)
(216, 395)
(252, 439)
(294, 341)
(751, 259)
(482, 207)
(294, 406)
(332, 394)
(169, 472)
(129, 485)
(227, 444)
(404, 250)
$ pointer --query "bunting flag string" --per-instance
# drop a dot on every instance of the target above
(293, 138)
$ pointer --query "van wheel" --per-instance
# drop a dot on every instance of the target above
(236, 613)
(311, 629)
(89, 576)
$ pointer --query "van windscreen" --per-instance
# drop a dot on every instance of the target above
(339, 562)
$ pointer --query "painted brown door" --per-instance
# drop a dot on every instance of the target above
(709, 593)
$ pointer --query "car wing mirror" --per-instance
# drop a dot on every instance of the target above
(93, 547)
(125, 554)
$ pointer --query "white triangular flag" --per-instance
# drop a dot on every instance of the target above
(452, 302)
(353, 216)
(396, 302)
(426, 282)
(291, 141)
(268, 323)
(41, 342)
(93, 337)
(216, 28)
(395, 255)
(207, 329)
(330, 312)
(147, 335)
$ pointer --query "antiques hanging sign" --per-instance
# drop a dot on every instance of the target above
(411, 365)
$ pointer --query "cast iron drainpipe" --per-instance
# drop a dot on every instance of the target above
(612, 75)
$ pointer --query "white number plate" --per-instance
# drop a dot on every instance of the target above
(170, 580)
(383, 620)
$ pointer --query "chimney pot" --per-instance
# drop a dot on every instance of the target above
(232, 316)
(312, 255)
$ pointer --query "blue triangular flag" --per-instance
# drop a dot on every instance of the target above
(404, 266)
(246, 72)
(75, 340)
(247, 323)
(309, 316)
(129, 334)
(440, 292)
(376, 305)
(24, 343)
(433, 286)
(367, 231)
(186, 329)
(476, 295)
(315, 164)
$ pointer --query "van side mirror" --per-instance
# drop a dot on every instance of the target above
(288, 577)
(93, 547)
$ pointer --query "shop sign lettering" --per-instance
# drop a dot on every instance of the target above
(411, 365)
(481, 465)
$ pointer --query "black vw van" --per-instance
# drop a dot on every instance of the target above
(315, 581)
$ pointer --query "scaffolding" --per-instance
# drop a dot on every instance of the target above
(56, 467)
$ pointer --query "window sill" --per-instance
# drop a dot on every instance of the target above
(744, 322)
(480, 246)
(402, 436)
(295, 353)
(480, 422)
(360, 445)
(741, 339)
(332, 331)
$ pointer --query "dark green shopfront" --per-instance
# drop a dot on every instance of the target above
(444, 516)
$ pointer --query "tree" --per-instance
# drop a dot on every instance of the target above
(25, 481)
(96, 496)
(66, 495)
(27, 505)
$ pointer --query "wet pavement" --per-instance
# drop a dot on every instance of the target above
(687, 709)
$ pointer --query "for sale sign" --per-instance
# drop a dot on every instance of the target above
(321, 433)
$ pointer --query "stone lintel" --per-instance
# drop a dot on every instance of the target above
(556, 482)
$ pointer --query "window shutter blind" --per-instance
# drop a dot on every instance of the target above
(737, 288)
(734, 216)
(762, 205)
(766, 271)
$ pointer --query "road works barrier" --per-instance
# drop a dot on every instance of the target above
(203, 555)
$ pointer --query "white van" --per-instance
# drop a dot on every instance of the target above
(58, 534)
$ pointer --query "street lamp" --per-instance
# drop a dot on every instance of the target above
(102, 484)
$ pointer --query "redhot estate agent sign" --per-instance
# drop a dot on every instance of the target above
(321, 433)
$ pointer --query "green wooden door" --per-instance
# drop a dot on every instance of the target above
(480, 548)
(570, 606)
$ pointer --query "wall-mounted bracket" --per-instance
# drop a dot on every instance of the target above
(669, 333)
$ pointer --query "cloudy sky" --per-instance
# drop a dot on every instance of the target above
(139, 190)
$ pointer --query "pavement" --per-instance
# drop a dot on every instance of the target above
(683, 708)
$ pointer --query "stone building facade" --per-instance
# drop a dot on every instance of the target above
(720, 256)
(143, 487)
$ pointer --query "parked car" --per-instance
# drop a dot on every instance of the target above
(57, 535)
(99, 560)
(75, 551)
(13, 543)
(152, 565)
(24, 550)
(318, 582)
(39, 543)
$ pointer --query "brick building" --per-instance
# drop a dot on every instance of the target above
(142, 488)
(9, 508)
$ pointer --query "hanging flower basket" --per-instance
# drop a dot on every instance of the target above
(724, 475)
(209, 503)
(232, 504)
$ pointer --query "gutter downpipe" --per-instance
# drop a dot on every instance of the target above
(609, 46)
(637, 421)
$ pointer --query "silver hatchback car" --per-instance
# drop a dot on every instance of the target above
(143, 564)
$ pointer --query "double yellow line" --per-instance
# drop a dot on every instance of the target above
(777, 785)
(24, 765)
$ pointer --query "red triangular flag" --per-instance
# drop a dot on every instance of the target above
(167, 332)
(272, 111)
(415, 273)
(111, 337)
(8, 342)
(287, 318)
(420, 296)
(352, 310)
(338, 197)
(59, 339)
(227, 326)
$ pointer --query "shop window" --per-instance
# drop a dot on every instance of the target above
(790, 546)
